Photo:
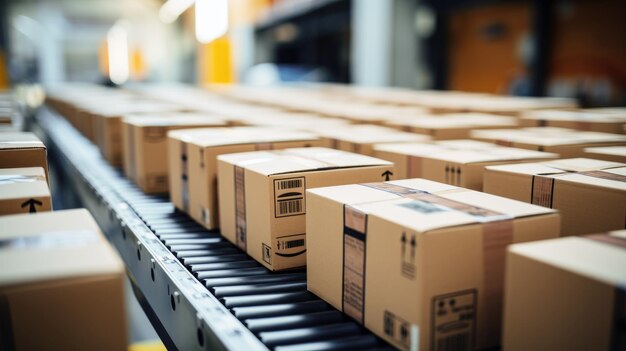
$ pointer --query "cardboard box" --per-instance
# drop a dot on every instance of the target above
(456, 162)
(453, 126)
(419, 263)
(609, 153)
(192, 162)
(566, 294)
(579, 120)
(565, 142)
(589, 194)
(22, 149)
(108, 126)
(24, 190)
(144, 147)
(61, 284)
(361, 138)
(262, 197)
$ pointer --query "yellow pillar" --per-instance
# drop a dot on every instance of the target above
(4, 72)
(215, 62)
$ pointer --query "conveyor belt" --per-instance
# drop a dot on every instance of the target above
(199, 290)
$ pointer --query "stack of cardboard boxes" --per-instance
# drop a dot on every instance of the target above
(54, 264)
(420, 262)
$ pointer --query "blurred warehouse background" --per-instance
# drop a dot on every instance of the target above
(529, 48)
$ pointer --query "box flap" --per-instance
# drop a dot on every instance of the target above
(53, 245)
(547, 136)
(575, 116)
(19, 140)
(581, 255)
(300, 160)
(461, 120)
(465, 151)
(208, 137)
(18, 183)
(607, 150)
(371, 134)
(582, 164)
(171, 119)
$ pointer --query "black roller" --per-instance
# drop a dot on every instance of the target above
(360, 342)
(282, 309)
(267, 278)
(294, 321)
(300, 335)
(252, 289)
(242, 272)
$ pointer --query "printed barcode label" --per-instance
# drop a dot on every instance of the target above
(454, 321)
(289, 207)
(294, 243)
(454, 342)
(289, 184)
(289, 197)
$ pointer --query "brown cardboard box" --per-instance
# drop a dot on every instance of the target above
(144, 146)
(565, 142)
(107, 123)
(61, 284)
(419, 263)
(262, 197)
(589, 194)
(453, 126)
(361, 138)
(193, 162)
(580, 120)
(609, 153)
(456, 162)
(566, 294)
(22, 149)
(24, 190)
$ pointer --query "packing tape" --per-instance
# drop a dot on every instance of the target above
(184, 176)
(354, 241)
(542, 189)
(605, 175)
(16, 178)
(240, 208)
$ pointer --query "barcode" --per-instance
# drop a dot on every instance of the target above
(290, 184)
(456, 342)
(294, 243)
(290, 206)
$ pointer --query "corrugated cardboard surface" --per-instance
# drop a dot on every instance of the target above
(262, 197)
(24, 190)
(361, 138)
(456, 162)
(418, 258)
(454, 126)
(200, 147)
(589, 201)
(60, 274)
(572, 287)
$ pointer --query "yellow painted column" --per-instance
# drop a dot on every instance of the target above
(4, 72)
(215, 62)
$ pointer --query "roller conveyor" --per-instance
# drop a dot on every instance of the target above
(199, 291)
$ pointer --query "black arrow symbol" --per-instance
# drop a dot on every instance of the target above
(387, 174)
(413, 246)
(403, 240)
(31, 205)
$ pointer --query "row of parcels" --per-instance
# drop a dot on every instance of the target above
(407, 228)
(55, 264)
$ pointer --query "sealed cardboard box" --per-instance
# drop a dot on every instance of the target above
(361, 138)
(419, 263)
(565, 142)
(580, 120)
(566, 294)
(589, 194)
(262, 197)
(144, 146)
(24, 190)
(61, 284)
(453, 126)
(609, 153)
(193, 162)
(456, 162)
(107, 123)
(22, 149)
